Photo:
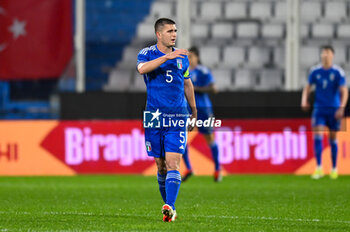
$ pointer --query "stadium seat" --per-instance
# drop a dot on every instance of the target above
(211, 10)
(258, 56)
(247, 30)
(223, 79)
(343, 31)
(310, 11)
(309, 56)
(222, 30)
(161, 9)
(233, 56)
(243, 79)
(304, 31)
(235, 10)
(195, 9)
(272, 31)
(199, 31)
(270, 79)
(210, 56)
(129, 57)
(340, 55)
(324, 31)
(130, 54)
(279, 57)
(119, 80)
(260, 10)
(138, 84)
(280, 11)
(145, 31)
(335, 11)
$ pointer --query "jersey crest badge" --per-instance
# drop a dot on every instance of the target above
(148, 146)
(179, 63)
(331, 77)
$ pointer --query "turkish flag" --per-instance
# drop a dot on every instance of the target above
(36, 38)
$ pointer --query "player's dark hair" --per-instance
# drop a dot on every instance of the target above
(328, 47)
(195, 51)
(161, 22)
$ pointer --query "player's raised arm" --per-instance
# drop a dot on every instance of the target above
(189, 93)
(305, 105)
(149, 66)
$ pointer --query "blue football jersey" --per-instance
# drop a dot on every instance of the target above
(327, 83)
(201, 77)
(165, 84)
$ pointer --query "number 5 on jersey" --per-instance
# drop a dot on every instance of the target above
(168, 74)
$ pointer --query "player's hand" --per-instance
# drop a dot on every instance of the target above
(179, 53)
(305, 106)
(193, 116)
(339, 113)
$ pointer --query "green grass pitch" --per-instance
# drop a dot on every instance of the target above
(133, 203)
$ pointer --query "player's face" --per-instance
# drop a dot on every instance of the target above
(327, 56)
(193, 59)
(167, 35)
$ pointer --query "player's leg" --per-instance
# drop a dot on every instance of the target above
(334, 127)
(172, 185)
(334, 153)
(318, 147)
(209, 137)
(161, 176)
(154, 148)
(174, 145)
(319, 123)
(189, 171)
(173, 178)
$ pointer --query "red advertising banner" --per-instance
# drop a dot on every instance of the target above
(99, 146)
(118, 147)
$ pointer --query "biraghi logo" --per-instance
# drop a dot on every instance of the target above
(158, 120)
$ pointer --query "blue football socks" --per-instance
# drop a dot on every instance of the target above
(215, 154)
(334, 149)
(187, 160)
(172, 186)
(318, 149)
(161, 183)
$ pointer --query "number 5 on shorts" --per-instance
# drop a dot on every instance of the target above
(182, 135)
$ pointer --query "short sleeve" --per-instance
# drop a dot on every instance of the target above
(143, 56)
(209, 79)
(187, 74)
(342, 79)
(311, 79)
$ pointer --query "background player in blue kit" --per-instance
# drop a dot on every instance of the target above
(203, 83)
(166, 74)
(331, 95)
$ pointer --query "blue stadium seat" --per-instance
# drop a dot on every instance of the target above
(110, 26)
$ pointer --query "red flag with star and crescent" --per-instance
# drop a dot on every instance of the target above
(36, 38)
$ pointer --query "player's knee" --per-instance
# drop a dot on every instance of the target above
(173, 165)
(162, 169)
(332, 136)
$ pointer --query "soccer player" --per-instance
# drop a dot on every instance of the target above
(166, 74)
(331, 95)
(203, 83)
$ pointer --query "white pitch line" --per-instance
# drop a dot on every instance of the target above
(312, 220)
